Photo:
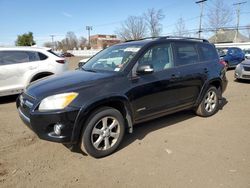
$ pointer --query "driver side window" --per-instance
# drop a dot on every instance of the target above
(159, 57)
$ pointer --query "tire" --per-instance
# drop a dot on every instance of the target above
(210, 103)
(99, 139)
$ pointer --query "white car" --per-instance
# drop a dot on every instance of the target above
(242, 70)
(247, 54)
(19, 66)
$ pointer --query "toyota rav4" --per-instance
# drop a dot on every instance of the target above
(123, 85)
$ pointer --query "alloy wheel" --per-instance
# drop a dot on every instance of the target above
(105, 133)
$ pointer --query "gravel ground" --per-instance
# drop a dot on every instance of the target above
(179, 150)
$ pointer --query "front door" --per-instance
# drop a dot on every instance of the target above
(155, 93)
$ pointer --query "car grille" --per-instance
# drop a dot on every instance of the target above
(26, 103)
(246, 76)
(246, 68)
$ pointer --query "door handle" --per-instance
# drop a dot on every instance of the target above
(32, 67)
(175, 76)
(206, 70)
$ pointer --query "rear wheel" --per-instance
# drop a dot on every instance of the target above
(210, 103)
(103, 133)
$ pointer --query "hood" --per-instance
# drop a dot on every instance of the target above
(67, 82)
(245, 62)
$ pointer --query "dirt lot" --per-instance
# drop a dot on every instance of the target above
(180, 150)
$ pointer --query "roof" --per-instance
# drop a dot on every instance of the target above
(168, 38)
(227, 36)
(29, 48)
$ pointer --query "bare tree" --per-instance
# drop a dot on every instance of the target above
(133, 28)
(153, 18)
(219, 15)
(82, 42)
(180, 28)
(48, 44)
(71, 40)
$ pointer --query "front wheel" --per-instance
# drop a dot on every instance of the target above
(103, 133)
(210, 103)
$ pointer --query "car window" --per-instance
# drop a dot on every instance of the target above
(42, 56)
(160, 57)
(208, 52)
(232, 51)
(33, 56)
(13, 57)
(186, 53)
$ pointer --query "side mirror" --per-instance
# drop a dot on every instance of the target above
(80, 64)
(145, 69)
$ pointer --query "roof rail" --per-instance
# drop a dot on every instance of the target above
(142, 39)
(170, 37)
(180, 37)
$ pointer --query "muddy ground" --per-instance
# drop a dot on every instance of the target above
(179, 150)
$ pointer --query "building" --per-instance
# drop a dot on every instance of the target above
(103, 41)
(228, 36)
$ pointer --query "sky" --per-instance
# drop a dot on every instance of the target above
(57, 17)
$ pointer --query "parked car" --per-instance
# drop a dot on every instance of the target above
(67, 54)
(94, 106)
(19, 66)
(242, 70)
(232, 56)
(247, 53)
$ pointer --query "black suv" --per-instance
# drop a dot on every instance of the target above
(123, 85)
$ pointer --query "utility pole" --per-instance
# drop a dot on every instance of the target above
(201, 15)
(89, 28)
(238, 19)
(52, 41)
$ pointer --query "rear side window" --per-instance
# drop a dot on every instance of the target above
(186, 53)
(33, 56)
(208, 52)
(42, 56)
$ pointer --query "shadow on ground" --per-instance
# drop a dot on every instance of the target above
(8, 99)
(143, 129)
(242, 81)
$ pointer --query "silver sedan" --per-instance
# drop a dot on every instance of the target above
(242, 70)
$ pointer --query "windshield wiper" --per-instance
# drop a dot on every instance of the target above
(88, 70)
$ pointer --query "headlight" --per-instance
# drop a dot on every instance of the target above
(57, 102)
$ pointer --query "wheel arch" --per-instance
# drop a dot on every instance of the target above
(40, 75)
(214, 82)
(117, 102)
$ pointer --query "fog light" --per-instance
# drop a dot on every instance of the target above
(58, 128)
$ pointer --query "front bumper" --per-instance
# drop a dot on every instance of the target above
(241, 73)
(42, 123)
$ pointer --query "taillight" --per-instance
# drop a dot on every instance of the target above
(60, 61)
(223, 63)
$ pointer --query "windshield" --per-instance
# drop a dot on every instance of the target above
(114, 58)
(247, 51)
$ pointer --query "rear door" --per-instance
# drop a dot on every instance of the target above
(192, 72)
(15, 67)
